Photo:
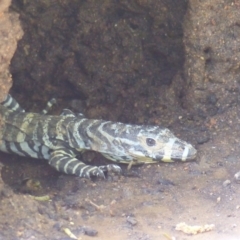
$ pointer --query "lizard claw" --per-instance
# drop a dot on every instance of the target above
(94, 172)
(111, 168)
(99, 171)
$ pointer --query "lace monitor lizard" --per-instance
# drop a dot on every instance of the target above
(60, 139)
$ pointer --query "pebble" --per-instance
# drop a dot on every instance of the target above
(90, 231)
(237, 177)
(226, 183)
(202, 139)
(132, 221)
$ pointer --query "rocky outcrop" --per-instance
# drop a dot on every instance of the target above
(212, 63)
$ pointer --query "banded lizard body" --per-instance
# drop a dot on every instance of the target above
(59, 139)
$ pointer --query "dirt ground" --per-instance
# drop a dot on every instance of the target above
(124, 60)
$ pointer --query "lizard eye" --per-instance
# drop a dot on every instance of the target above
(150, 142)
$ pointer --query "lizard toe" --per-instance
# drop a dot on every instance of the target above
(111, 168)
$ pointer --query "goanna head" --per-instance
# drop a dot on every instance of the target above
(148, 144)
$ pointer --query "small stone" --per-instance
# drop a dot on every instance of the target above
(132, 221)
(90, 231)
(226, 183)
(202, 139)
(237, 177)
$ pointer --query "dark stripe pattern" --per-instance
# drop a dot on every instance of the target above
(60, 138)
